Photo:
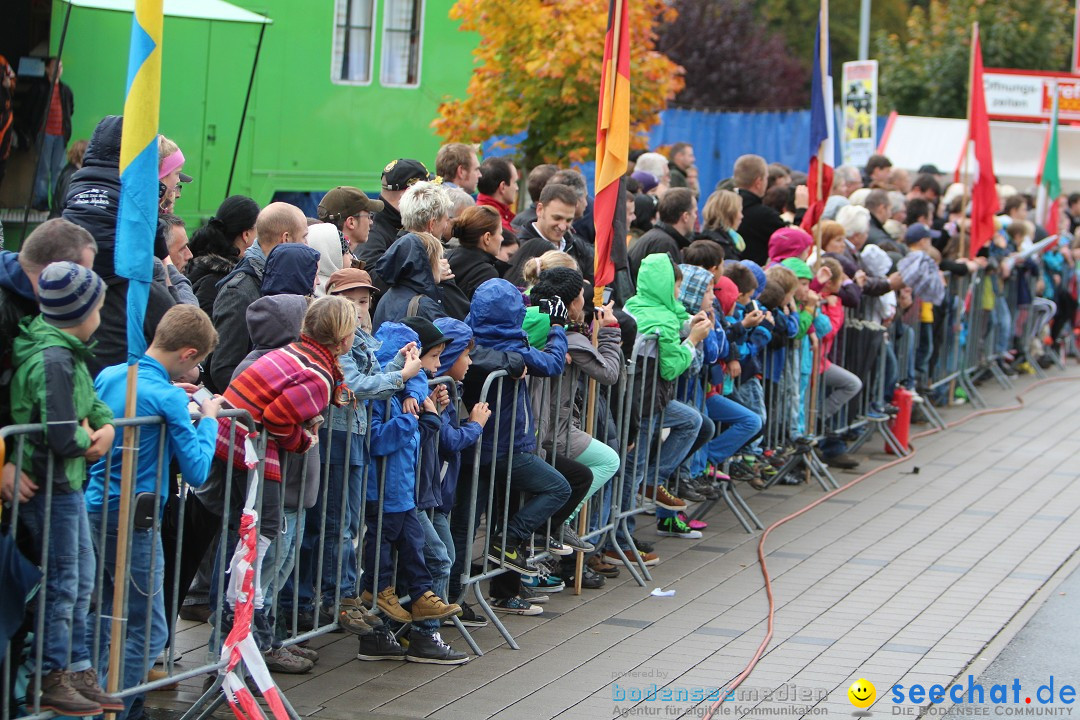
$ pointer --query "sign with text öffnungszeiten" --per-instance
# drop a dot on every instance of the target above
(1027, 95)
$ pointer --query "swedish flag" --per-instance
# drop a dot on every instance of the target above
(137, 222)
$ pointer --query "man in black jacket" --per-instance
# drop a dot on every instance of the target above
(751, 175)
(396, 179)
(678, 214)
(554, 214)
(53, 109)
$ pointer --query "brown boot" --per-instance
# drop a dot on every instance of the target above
(355, 618)
(430, 606)
(58, 695)
(86, 683)
(389, 604)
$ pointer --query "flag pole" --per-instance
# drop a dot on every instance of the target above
(823, 63)
(967, 141)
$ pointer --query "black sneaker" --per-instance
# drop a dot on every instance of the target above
(552, 545)
(515, 606)
(380, 645)
(513, 559)
(530, 595)
(643, 546)
(468, 618)
(675, 527)
(431, 649)
(571, 539)
(590, 579)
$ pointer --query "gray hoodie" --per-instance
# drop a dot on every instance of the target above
(273, 322)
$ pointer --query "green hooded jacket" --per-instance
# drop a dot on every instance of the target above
(657, 310)
(52, 387)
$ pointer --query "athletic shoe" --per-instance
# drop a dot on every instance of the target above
(304, 652)
(280, 660)
(660, 495)
(674, 527)
(380, 645)
(603, 567)
(649, 558)
(717, 474)
(570, 539)
(694, 524)
(590, 580)
(843, 461)
(643, 545)
(513, 559)
(431, 649)
(551, 545)
(163, 658)
(469, 618)
(544, 582)
(515, 606)
(529, 595)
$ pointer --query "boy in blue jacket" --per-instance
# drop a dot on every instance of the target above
(496, 316)
(455, 438)
(396, 436)
(184, 337)
(342, 448)
(756, 330)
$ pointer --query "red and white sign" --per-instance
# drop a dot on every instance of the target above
(1027, 95)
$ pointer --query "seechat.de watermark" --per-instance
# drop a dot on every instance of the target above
(973, 699)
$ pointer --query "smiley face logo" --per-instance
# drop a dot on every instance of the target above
(862, 693)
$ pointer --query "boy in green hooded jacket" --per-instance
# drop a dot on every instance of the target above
(52, 388)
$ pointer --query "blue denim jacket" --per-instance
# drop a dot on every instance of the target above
(367, 380)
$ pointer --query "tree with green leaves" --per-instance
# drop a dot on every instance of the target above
(926, 72)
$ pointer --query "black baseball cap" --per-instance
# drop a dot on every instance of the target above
(430, 335)
(401, 173)
(930, 169)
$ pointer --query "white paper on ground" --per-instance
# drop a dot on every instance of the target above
(657, 592)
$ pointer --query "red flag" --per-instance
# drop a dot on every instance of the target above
(984, 197)
(822, 123)
(612, 138)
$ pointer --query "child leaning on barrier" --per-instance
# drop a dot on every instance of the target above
(52, 387)
(391, 519)
(752, 331)
(455, 438)
(183, 339)
(366, 380)
(813, 325)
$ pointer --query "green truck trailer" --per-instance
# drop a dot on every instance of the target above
(341, 87)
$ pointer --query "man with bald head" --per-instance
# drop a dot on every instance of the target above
(278, 223)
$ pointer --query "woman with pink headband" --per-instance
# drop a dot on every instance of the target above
(170, 163)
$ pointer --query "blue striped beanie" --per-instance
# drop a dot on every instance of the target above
(68, 293)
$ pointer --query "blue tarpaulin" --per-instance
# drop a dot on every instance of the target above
(718, 138)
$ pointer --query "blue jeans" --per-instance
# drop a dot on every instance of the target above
(742, 424)
(69, 577)
(145, 602)
(684, 422)
(336, 537)
(438, 560)
(50, 163)
(751, 395)
(529, 474)
(1002, 318)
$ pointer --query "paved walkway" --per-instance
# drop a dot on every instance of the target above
(904, 578)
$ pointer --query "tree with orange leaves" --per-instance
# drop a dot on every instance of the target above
(538, 70)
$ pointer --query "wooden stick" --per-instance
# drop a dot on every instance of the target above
(590, 421)
(120, 574)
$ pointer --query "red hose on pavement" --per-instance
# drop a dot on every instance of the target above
(892, 463)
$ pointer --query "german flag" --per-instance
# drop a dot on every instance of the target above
(612, 140)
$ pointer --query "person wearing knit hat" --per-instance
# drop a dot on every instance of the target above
(68, 294)
(52, 385)
(554, 287)
(790, 242)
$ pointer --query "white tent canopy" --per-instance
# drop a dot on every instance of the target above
(914, 141)
(198, 9)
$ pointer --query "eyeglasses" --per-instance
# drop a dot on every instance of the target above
(368, 215)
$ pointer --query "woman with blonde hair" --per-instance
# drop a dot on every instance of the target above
(721, 215)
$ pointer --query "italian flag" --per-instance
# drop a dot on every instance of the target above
(1048, 205)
